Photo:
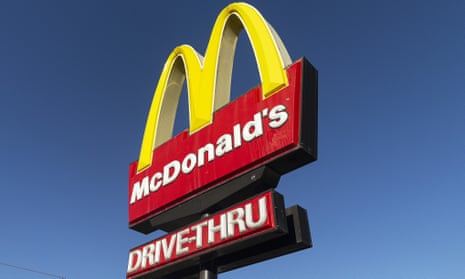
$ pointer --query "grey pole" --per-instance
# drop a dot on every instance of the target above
(208, 274)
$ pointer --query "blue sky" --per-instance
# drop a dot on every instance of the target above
(386, 198)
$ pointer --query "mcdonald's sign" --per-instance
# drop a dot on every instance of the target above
(273, 126)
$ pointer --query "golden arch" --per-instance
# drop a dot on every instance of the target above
(206, 75)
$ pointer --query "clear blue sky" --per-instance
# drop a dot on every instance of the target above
(386, 198)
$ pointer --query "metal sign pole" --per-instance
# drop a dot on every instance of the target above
(208, 274)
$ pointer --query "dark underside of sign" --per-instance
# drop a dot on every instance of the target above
(253, 181)
(243, 253)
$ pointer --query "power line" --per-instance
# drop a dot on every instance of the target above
(32, 270)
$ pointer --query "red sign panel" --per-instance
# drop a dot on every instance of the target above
(247, 133)
(256, 218)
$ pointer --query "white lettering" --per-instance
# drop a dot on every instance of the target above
(253, 129)
(226, 143)
(236, 218)
(139, 190)
(198, 237)
(171, 172)
(201, 157)
(147, 254)
(188, 163)
(157, 252)
(134, 260)
(180, 241)
(154, 184)
(168, 248)
(223, 145)
(237, 136)
(221, 228)
(263, 215)
(278, 116)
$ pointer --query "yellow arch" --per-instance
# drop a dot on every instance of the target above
(206, 75)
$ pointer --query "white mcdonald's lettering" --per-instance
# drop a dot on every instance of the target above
(231, 224)
(209, 78)
(276, 116)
